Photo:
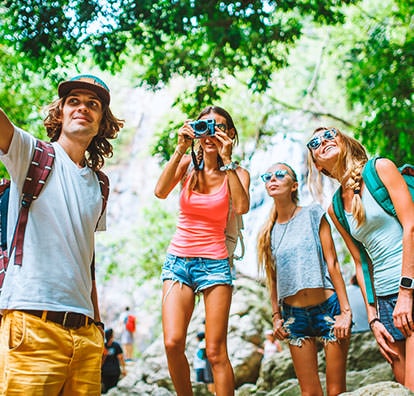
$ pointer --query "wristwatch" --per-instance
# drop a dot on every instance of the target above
(230, 166)
(406, 282)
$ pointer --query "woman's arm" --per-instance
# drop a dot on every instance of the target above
(178, 164)
(344, 320)
(238, 179)
(404, 207)
(382, 336)
(239, 184)
(278, 329)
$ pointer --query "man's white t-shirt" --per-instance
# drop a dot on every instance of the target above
(58, 246)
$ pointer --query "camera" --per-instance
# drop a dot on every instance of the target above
(203, 128)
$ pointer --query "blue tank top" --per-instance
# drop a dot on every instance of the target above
(381, 235)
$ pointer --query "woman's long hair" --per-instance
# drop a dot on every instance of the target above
(99, 146)
(198, 157)
(265, 258)
(347, 170)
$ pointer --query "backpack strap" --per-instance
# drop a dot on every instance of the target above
(4, 204)
(338, 208)
(376, 187)
(104, 185)
(37, 174)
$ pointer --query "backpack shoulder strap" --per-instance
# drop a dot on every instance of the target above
(338, 208)
(376, 186)
(104, 185)
(37, 174)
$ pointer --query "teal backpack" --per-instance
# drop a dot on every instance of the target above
(380, 193)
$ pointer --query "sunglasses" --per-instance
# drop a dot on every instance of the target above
(279, 174)
(222, 127)
(316, 141)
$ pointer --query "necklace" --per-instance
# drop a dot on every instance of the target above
(286, 225)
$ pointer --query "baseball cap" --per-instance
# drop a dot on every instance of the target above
(85, 81)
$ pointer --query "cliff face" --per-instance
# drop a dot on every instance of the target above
(368, 373)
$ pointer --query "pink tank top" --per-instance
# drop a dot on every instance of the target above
(201, 224)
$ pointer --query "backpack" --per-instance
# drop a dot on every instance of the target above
(380, 193)
(37, 174)
(130, 323)
(233, 231)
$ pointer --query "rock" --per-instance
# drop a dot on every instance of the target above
(250, 315)
(385, 388)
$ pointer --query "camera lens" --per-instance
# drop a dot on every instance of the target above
(200, 126)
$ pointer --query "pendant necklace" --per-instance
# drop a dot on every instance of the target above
(285, 229)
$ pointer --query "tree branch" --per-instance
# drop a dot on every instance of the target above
(313, 112)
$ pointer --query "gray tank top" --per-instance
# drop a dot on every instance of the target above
(298, 254)
(381, 235)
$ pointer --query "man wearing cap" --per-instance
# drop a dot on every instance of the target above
(51, 336)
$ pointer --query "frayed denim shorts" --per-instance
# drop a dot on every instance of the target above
(196, 272)
(312, 321)
(386, 306)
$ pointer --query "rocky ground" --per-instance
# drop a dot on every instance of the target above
(368, 373)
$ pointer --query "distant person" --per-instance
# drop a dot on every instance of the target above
(113, 363)
(271, 346)
(51, 336)
(307, 291)
(197, 258)
(356, 300)
(388, 240)
(201, 364)
(128, 323)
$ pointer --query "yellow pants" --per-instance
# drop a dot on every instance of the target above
(39, 358)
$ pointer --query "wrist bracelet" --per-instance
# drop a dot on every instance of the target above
(230, 166)
(372, 321)
(179, 152)
(276, 313)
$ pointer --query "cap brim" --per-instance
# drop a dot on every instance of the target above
(67, 86)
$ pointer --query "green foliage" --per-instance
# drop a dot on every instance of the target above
(140, 253)
(203, 39)
(379, 79)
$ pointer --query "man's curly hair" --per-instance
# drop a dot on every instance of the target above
(99, 146)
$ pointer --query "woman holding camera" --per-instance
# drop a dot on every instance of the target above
(197, 259)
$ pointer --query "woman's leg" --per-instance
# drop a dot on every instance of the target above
(336, 354)
(305, 362)
(399, 365)
(217, 300)
(177, 308)
(409, 363)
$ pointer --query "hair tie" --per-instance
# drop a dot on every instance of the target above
(357, 191)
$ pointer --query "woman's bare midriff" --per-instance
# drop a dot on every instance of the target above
(308, 297)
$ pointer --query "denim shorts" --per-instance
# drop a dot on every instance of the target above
(386, 306)
(312, 321)
(197, 272)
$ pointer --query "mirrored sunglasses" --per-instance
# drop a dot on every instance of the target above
(316, 141)
(222, 127)
(279, 174)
